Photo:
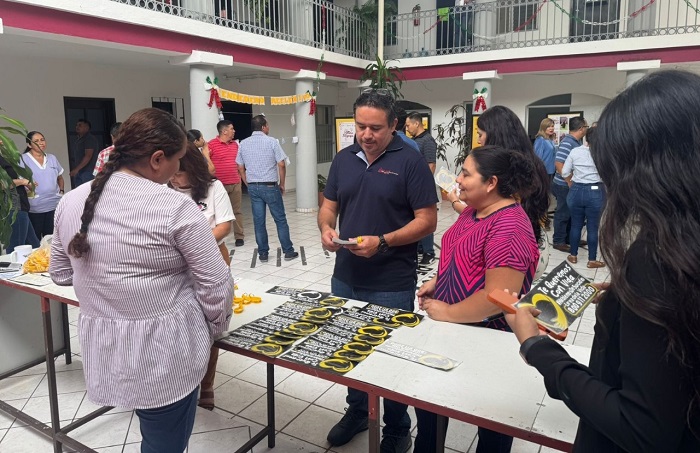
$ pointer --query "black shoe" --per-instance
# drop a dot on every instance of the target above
(343, 431)
(427, 259)
(290, 255)
(239, 242)
(582, 243)
(562, 247)
(263, 257)
(393, 444)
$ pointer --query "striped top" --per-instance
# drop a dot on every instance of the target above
(472, 246)
(581, 164)
(153, 291)
(565, 146)
(260, 154)
(223, 156)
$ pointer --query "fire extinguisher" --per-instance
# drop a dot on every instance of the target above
(416, 15)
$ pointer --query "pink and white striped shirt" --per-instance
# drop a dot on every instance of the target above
(153, 290)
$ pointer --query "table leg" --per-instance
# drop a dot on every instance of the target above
(66, 334)
(51, 372)
(271, 405)
(373, 422)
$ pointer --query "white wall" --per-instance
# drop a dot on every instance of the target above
(36, 93)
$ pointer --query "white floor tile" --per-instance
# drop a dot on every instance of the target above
(288, 444)
(221, 440)
(208, 421)
(105, 431)
(13, 388)
(25, 440)
(303, 387)
(257, 374)
(286, 410)
(233, 364)
(38, 407)
(460, 435)
(334, 398)
(313, 425)
(66, 382)
(236, 395)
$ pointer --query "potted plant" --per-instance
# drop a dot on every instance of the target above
(381, 75)
(10, 153)
(322, 181)
(457, 132)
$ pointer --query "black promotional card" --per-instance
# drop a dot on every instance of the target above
(386, 316)
(307, 295)
(412, 354)
(304, 311)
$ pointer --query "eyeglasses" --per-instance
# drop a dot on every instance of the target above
(379, 91)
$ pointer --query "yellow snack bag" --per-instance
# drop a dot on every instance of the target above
(37, 262)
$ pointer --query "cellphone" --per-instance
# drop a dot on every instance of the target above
(8, 265)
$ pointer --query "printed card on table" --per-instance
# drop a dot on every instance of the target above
(412, 354)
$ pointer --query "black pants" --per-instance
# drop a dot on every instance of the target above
(42, 223)
(489, 441)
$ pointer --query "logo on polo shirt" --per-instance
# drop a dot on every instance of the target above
(202, 206)
(387, 172)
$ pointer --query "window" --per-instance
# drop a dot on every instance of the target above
(513, 15)
(324, 133)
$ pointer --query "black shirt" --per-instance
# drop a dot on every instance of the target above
(21, 191)
(633, 397)
(377, 200)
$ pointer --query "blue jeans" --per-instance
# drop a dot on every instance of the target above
(84, 176)
(426, 244)
(396, 420)
(586, 204)
(167, 429)
(562, 216)
(22, 232)
(260, 196)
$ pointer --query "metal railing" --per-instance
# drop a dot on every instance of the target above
(512, 24)
(315, 23)
(476, 26)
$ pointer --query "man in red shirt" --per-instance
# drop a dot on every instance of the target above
(223, 151)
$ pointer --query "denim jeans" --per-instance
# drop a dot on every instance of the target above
(269, 195)
(396, 420)
(426, 244)
(22, 232)
(586, 204)
(84, 176)
(562, 217)
(167, 429)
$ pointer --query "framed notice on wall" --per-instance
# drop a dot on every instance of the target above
(561, 124)
(344, 132)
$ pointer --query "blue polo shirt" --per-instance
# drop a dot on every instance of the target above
(378, 199)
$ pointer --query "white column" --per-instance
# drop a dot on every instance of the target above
(485, 27)
(482, 88)
(635, 70)
(202, 117)
(202, 65)
(306, 171)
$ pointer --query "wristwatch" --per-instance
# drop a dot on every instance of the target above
(383, 246)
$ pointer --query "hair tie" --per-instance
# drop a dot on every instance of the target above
(83, 228)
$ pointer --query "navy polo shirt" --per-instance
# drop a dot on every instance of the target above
(377, 200)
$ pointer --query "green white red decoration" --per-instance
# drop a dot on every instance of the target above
(479, 98)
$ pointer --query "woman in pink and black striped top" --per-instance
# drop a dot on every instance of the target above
(152, 285)
(491, 246)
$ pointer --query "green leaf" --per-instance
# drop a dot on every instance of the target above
(15, 122)
(12, 130)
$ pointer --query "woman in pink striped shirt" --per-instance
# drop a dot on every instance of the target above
(152, 287)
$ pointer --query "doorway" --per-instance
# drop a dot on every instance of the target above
(101, 114)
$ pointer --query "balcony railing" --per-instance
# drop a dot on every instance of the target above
(512, 24)
(476, 26)
(315, 23)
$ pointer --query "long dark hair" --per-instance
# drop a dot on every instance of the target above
(28, 139)
(142, 134)
(513, 169)
(650, 164)
(503, 128)
(195, 165)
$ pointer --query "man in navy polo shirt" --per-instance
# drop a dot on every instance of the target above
(383, 192)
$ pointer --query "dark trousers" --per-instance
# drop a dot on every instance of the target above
(396, 420)
(22, 232)
(562, 216)
(489, 441)
(586, 203)
(167, 429)
(42, 223)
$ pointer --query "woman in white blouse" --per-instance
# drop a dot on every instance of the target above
(152, 287)
(194, 180)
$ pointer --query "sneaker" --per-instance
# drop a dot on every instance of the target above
(263, 257)
(239, 242)
(427, 259)
(393, 444)
(290, 255)
(343, 431)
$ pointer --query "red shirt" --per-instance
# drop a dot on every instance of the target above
(223, 156)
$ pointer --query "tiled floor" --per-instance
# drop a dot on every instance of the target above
(306, 407)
